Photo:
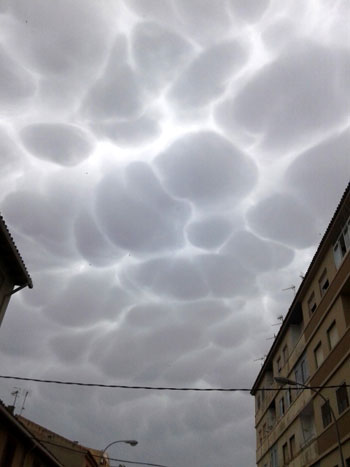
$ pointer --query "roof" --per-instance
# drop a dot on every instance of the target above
(12, 258)
(295, 309)
(58, 444)
(27, 434)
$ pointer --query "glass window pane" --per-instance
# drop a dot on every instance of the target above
(332, 335)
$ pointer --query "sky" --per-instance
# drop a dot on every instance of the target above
(168, 169)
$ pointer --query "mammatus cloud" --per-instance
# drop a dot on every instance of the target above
(17, 84)
(137, 214)
(296, 97)
(207, 76)
(56, 142)
(206, 169)
(168, 168)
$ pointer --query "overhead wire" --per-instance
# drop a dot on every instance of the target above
(158, 388)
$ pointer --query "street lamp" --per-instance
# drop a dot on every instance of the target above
(132, 442)
(291, 382)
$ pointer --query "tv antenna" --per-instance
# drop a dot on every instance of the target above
(26, 394)
(15, 393)
(280, 318)
(260, 359)
(269, 338)
(292, 287)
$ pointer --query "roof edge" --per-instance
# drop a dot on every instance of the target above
(15, 253)
(297, 298)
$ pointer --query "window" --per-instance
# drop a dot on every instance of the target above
(332, 334)
(342, 245)
(342, 398)
(311, 303)
(279, 367)
(292, 447)
(273, 457)
(282, 410)
(288, 397)
(323, 282)
(318, 352)
(264, 430)
(285, 354)
(285, 454)
(326, 414)
(301, 372)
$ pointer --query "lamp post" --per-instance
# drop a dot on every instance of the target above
(132, 442)
(291, 382)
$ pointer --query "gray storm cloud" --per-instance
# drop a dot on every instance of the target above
(57, 142)
(167, 169)
(138, 215)
(206, 169)
(299, 95)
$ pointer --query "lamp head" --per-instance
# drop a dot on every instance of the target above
(132, 442)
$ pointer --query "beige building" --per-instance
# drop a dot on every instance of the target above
(18, 447)
(295, 426)
(13, 273)
(69, 453)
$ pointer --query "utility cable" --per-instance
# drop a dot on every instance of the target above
(159, 388)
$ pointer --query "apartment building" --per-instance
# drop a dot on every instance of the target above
(13, 273)
(18, 447)
(295, 426)
(69, 453)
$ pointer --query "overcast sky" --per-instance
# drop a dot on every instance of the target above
(167, 169)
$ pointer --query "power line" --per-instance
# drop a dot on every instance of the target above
(121, 386)
(158, 388)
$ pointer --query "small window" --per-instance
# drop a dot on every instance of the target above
(273, 456)
(285, 354)
(285, 454)
(258, 403)
(311, 303)
(301, 372)
(323, 282)
(288, 397)
(279, 366)
(332, 334)
(342, 246)
(342, 398)
(282, 408)
(326, 414)
(292, 447)
(318, 352)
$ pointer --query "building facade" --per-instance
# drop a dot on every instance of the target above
(13, 273)
(18, 447)
(70, 453)
(294, 425)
